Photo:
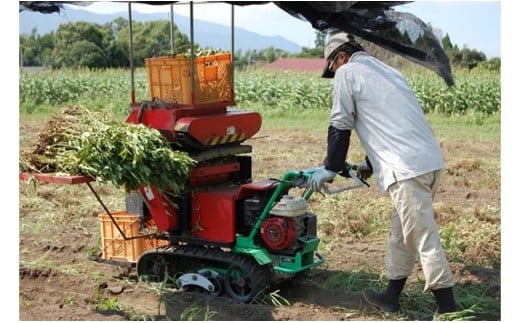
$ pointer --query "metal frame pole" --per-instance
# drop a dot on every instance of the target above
(192, 54)
(233, 50)
(131, 50)
(172, 29)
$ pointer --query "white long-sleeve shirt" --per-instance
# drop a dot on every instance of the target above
(376, 100)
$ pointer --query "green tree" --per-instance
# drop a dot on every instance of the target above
(36, 50)
(150, 39)
(472, 57)
(446, 43)
(317, 51)
(310, 52)
(115, 55)
(86, 54)
(319, 42)
(79, 44)
(455, 56)
(239, 60)
(46, 47)
(270, 54)
(492, 65)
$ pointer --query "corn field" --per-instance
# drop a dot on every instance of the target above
(476, 92)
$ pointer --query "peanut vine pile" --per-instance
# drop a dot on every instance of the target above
(77, 141)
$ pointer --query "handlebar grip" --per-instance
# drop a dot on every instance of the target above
(359, 182)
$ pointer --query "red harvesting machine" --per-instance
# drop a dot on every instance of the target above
(223, 233)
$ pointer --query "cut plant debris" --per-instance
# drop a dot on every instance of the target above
(78, 141)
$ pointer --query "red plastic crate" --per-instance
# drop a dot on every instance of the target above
(169, 79)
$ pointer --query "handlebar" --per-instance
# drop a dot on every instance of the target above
(351, 174)
(301, 178)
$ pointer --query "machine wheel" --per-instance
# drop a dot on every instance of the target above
(152, 266)
(217, 282)
(242, 285)
(237, 284)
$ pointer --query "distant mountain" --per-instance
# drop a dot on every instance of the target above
(206, 34)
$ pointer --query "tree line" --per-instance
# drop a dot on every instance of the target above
(85, 44)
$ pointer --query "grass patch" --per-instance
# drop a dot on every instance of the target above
(466, 127)
(112, 305)
(355, 281)
(352, 215)
(271, 298)
(475, 301)
(279, 118)
(195, 313)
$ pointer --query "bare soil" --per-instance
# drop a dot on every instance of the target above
(58, 281)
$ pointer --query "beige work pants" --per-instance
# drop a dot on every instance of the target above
(413, 231)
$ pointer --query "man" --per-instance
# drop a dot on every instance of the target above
(403, 154)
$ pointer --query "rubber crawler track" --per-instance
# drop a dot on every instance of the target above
(183, 259)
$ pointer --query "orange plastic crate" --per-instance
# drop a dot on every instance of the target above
(115, 247)
(169, 79)
(149, 243)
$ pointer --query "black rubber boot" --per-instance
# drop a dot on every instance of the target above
(387, 300)
(445, 300)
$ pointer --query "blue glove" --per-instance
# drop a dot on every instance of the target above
(319, 177)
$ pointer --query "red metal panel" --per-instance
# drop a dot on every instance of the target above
(160, 119)
(209, 125)
(161, 210)
(212, 174)
(213, 215)
(250, 188)
(55, 178)
(165, 118)
(205, 129)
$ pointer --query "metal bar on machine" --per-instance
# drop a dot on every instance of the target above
(106, 209)
(131, 50)
(233, 50)
(112, 217)
(192, 60)
(172, 29)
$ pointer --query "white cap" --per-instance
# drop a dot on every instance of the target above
(335, 41)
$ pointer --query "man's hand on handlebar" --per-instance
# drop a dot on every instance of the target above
(364, 170)
(319, 177)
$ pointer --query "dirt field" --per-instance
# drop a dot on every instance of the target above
(57, 281)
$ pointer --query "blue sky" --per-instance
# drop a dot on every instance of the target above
(475, 24)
